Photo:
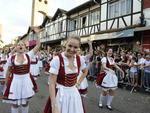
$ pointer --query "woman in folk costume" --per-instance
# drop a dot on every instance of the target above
(34, 67)
(64, 69)
(110, 81)
(3, 62)
(83, 88)
(20, 85)
(3, 68)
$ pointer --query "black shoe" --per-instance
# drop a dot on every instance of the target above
(100, 105)
(109, 107)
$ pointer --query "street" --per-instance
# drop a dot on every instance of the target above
(124, 101)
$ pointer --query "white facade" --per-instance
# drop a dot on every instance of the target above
(97, 19)
(147, 16)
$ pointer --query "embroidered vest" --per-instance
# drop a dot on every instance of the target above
(20, 69)
(109, 65)
(67, 80)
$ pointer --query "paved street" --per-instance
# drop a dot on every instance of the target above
(124, 102)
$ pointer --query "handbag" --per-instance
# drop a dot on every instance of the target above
(100, 78)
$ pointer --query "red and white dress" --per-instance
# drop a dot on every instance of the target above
(21, 85)
(3, 66)
(68, 97)
(34, 67)
(3, 70)
(83, 88)
(110, 81)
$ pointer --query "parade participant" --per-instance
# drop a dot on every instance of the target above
(3, 68)
(110, 81)
(20, 86)
(34, 67)
(83, 88)
(40, 58)
(64, 69)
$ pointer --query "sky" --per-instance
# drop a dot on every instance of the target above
(15, 15)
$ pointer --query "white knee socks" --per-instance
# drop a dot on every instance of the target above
(102, 99)
(25, 109)
(109, 99)
(14, 110)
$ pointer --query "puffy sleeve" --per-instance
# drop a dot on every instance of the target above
(103, 60)
(54, 65)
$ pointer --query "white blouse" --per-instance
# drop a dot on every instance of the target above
(55, 65)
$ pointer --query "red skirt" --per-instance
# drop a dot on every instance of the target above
(100, 78)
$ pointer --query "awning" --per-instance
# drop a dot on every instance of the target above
(113, 35)
(142, 28)
(85, 39)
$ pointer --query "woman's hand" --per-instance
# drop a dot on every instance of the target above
(77, 85)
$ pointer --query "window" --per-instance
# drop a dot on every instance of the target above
(119, 8)
(123, 7)
(74, 24)
(83, 21)
(128, 6)
(113, 10)
(64, 25)
(94, 18)
(60, 26)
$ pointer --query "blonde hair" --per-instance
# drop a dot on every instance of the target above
(73, 36)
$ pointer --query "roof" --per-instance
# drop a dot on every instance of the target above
(83, 6)
(59, 12)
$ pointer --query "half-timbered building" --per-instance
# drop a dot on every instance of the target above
(110, 22)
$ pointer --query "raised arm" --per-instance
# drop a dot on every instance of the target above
(90, 48)
(36, 30)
